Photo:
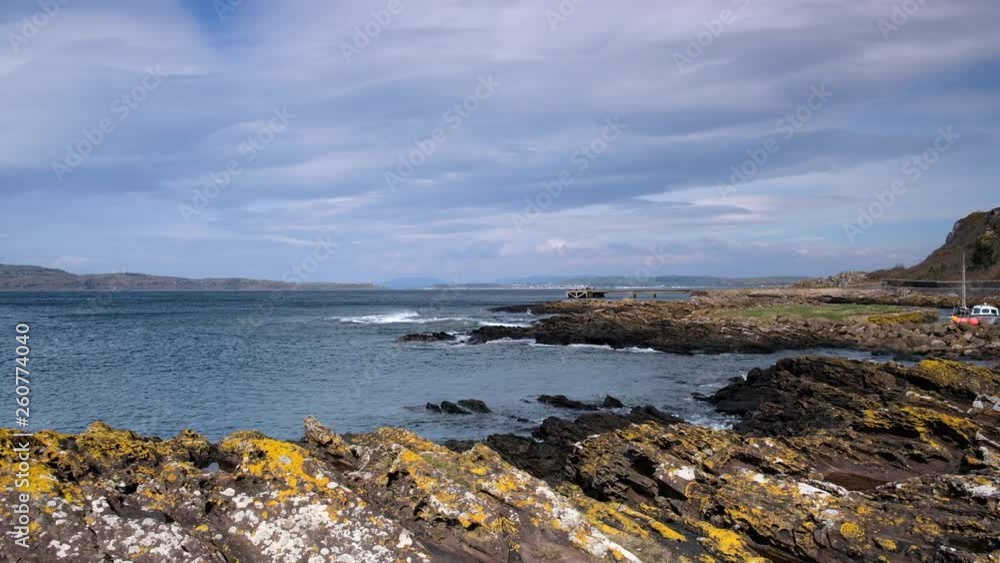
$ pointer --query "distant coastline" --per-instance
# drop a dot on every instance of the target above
(36, 278)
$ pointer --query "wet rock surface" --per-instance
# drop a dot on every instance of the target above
(429, 337)
(564, 402)
(830, 460)
(465, 406)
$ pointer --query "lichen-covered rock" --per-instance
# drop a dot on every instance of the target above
(831, 460)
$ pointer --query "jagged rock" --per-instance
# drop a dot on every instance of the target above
(428, 337)
(833, 460)
(475, 405)
(448, 407)
(564, 402)
(612, 403)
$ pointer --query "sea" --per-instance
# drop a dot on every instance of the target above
(218, 362)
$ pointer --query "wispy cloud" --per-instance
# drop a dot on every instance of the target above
(355, 117)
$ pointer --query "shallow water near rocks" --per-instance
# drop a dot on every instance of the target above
(217, 362)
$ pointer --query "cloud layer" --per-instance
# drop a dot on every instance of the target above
(481, 139)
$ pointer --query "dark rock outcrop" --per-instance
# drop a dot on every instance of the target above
(448, 407)
(612, 403)
(475, 405)
(428, 337)
(465, 406)
(679, 328)
(832, 460)
(564, 402)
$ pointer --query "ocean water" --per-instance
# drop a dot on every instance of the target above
(158, 362)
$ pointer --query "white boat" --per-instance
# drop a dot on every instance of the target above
(979, 315)
(986, 314)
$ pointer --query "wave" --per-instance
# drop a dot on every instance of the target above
(520, 341)
(413, 317)
(601, 347)
(505, 324)
(399, 317)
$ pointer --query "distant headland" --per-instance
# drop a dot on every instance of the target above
(37, 278)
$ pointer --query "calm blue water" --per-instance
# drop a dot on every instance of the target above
(220, 362)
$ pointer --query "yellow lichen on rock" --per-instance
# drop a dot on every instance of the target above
(930, 421)
(954, 375)
(904, 318)
(852, 532)
(728, 544)
(273, 459)
(887, 544)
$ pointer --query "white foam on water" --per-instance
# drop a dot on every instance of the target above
(504, 324)
(637, 350)
(519, 341)
(399, 317)
(599, 347)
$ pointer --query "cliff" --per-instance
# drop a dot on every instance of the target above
(976, 236)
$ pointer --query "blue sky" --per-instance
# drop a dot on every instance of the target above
(471, 140)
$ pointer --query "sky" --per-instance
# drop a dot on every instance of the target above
(483, 139)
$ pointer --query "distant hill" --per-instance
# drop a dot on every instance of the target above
(977, 236)
(413, 283)
(610, 282)
(45, 279)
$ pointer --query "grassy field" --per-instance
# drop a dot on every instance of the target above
(838, 313)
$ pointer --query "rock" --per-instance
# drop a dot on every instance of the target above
(492, 333)
(611, 403)
(474, 405)
(563, 402)
(428, 337)
(685, 328)
(452, 408)
(871, 453)
(465, 406)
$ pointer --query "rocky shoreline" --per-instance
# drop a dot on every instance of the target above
(726, 322)
(831, 460)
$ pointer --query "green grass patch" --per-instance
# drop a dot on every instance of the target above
(833, 312)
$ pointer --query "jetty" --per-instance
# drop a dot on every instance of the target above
(591, 293)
